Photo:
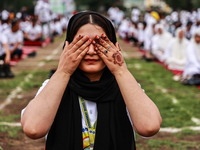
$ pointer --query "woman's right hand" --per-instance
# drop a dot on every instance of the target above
(73, 53)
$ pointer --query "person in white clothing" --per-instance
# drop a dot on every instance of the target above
(175, 55)
(43, 11)
(56, 26)
(91, 83)
(4, 21)
(123, 29)
(33, 32)
(5, 57)
(15, 39)
(44, 14)
(141, 28)
(160, 42)
(135, 15)
(193, 56)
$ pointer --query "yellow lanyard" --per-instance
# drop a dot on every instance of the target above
(91, 130)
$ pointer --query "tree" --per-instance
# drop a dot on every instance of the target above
(96, 5)
(16, 5)
(183, 4)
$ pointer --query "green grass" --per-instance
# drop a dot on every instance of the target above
(36, 79)
(9, 118)
(38, 76)
(159, 86)
(178, 141)
(168, 144)
(11, 131)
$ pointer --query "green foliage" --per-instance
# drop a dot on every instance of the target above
(96, 5)
(183, 4)
(16, 5)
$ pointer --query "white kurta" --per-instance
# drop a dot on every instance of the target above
(14, 38)
(33, 32)
(159, 44)
(193, 59)
(176, 54)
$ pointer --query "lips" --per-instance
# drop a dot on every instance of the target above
(91, 60)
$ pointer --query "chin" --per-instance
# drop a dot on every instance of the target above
(92, 69)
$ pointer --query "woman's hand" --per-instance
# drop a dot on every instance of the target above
(144, 114)
(73, 53)
(110, 54)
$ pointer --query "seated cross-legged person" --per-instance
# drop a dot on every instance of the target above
(192, 68)
(175, 56)
(33, 32)
(5, 71)
(15, 39)
(159, 42)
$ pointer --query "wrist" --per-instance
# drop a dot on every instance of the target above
(119, 72)
(62, 75)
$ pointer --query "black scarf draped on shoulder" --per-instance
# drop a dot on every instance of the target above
(113, 130)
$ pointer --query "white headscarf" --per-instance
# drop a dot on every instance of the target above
(179, 47)
(162, 39)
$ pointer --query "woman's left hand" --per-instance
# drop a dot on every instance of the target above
(111, 54)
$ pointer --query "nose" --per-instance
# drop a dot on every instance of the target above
(91, 50)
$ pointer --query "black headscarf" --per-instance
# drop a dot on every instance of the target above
(113, 130)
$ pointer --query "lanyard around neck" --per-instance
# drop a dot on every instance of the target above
(91, 129)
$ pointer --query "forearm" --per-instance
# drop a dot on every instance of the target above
(6, 48)
(7, 52)
(15, 47)
(40, 112)
(38, 36)
(143, 112)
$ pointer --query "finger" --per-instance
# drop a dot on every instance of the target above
(117, 46)
(101, 49)
(66, 45)
(101, 54)
(83, 47)
(107, 40)
(79, 43)
(106, 45)
(82, 54)
(75, 40)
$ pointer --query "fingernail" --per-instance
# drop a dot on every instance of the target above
(103, 35)
(96, 48)
(93, 42)
(97, 37)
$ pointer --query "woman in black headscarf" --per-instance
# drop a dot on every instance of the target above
(92, 101)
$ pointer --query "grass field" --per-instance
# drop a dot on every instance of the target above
(179, 106)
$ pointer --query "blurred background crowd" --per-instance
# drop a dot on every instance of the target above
(163, 31)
